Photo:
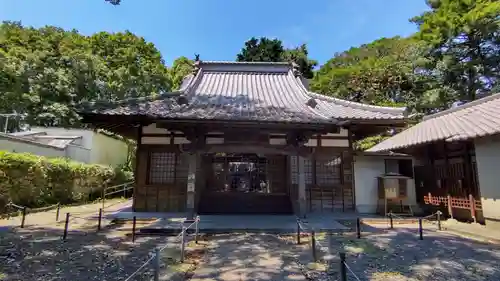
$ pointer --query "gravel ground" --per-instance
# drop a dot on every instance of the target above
(399, 255)
(37, 252)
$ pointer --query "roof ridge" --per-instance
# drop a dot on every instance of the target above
(30, 141)
(463, 106)
(246, 62)
(129, 100)
(363, 106)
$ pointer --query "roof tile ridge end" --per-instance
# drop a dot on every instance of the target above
(359, 105)
(462, 107)
(194, 81)
(303, 91)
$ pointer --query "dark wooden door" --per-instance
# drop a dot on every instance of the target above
(246, 184)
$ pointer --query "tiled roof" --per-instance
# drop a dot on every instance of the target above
(247, 91)
(475, 119)
(343, 109)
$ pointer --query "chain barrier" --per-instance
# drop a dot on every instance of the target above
(158, 250)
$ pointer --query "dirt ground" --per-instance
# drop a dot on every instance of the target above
(399, 255)
(80, 214)
(38, 252)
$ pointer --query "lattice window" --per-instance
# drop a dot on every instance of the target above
(328, 170)
(161, 167)
(294, 167)
(308, 171)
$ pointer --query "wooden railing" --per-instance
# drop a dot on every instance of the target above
(450, 202)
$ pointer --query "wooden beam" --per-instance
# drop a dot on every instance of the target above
(248, 148)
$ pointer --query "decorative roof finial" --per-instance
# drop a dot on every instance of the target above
(296, 69)
(197, 62)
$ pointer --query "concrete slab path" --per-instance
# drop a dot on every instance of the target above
(236, 257)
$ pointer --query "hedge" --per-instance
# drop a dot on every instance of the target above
(36, 181)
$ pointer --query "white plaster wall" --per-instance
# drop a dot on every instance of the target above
(366, 171)
(488, 161)
(108, 151)
(78, 153)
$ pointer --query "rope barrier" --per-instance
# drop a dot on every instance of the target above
(153, 255)
(14, 205)
(423, 218)
(118, 191)
(350, 270)
(141, 267)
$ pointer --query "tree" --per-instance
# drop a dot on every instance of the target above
(45, 73)
(388, 71)
(263, 49)
(181, 67)
(465, 40)
(272, 50)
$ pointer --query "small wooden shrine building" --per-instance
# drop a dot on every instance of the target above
(243, 137)
(457, 153)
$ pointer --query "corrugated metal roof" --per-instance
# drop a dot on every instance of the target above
(255, 91)
(472, 120)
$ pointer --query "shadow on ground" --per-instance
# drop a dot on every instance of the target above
(40, 254)
(249, 257)
(399, 255)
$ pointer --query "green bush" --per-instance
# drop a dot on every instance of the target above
(36, 181)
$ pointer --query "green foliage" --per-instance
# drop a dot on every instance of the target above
(45, 72)
(369, 142)
(465, 40)
(272, 50)
(181, 67)
(36, 181)
(386, 72)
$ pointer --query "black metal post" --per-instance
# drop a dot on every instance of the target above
(196, 230)
(57, 211)
(99, 220)
(313, 245)
(183, 242)
(390, 220)
(298, 232)
(65, 234)
(420, 230)
(343, 271)
(156, 265)
(23, 218)
(439, 219)
(358, 228)
(133, 229)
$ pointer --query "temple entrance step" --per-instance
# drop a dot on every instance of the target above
(244, 203)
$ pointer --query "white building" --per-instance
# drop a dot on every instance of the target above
(80, 145)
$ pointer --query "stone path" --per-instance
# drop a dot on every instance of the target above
(248, 257)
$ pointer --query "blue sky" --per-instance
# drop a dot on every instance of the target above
(217, 29)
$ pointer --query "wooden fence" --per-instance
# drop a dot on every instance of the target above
(450, 202)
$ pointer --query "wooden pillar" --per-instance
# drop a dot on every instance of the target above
(301, 185)
(137, 163)
(191, 184)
